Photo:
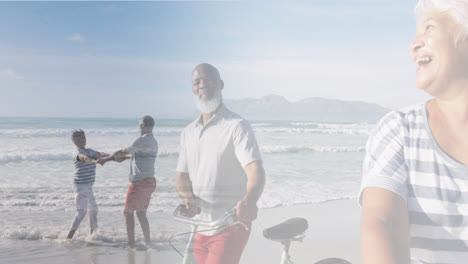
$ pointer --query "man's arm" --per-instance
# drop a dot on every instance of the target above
(247, 208)
(185, 192)
(118, 156)
(82, 157)
(384, 228)
(101, 155)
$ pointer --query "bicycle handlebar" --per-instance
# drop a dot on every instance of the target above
(195, 222)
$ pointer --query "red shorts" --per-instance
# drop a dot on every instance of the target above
(223, 248)
(139, 194)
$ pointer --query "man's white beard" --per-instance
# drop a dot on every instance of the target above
(209, 106)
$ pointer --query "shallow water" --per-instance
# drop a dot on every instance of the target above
(304, 162)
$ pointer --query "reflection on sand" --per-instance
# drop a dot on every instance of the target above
(133, 260)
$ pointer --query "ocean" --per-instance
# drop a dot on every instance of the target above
(305, 162)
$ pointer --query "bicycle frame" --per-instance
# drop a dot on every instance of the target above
(189, 258)
(285, 257)
(188, 253)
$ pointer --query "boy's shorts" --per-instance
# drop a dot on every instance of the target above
(139, 194)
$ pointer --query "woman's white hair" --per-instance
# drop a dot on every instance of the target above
(457, 9)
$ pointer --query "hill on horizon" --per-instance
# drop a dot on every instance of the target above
(275, 107)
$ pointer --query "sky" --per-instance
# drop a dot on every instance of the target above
(128, 59)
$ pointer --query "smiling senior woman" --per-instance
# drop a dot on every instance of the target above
(414, 192)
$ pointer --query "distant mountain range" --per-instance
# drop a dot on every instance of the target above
(275, 107)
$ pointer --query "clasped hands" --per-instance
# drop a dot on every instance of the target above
(117, 158)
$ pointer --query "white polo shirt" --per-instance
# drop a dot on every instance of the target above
(214, 156)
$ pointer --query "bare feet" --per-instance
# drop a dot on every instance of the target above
(71, 234)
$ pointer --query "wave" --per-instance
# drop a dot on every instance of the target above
(317, 128)
(116, 236)
(312, 130)
(296, 149)
(38, 133)
(261, 124)
(35, 156)
(316, 201)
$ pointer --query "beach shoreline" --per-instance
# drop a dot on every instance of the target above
(333, 232)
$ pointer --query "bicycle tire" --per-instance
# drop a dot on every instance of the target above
(333, 261)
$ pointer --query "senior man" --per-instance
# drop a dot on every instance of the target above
(219, 168)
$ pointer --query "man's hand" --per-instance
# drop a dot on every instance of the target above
(119, 159)
(191, 209)
(246, 211)
(101, 161)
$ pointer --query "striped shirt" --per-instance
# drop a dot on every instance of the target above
(85, 172)
(403, 157)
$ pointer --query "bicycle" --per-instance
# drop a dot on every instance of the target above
(294, 230)
(285, 233)
(224, 221)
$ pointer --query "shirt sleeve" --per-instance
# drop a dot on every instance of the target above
(384, 164)
(136, 146)
(75, 155)
(182, 165)
(245, 144)
(92, 153)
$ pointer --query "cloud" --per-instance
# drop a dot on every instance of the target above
(12, 74)
(76, 38)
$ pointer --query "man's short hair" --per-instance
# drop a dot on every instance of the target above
(77, 133)
(147, 121)
(212, 69)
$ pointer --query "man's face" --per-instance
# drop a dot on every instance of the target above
(205, 83)
(80, 141)
(435, 54)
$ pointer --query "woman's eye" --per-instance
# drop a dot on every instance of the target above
(428, 27)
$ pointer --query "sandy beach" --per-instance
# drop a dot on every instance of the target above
(333, 232)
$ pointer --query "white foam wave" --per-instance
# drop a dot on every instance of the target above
(115, 235)
(36, 156)
(304, 124)
(295, 130)
(261, 124)
(33, 133)
(295, 149)
(295, 127)
(22, 234)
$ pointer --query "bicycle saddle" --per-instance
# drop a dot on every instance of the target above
(286, 230)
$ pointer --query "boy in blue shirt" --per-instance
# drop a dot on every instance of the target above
(85, 174)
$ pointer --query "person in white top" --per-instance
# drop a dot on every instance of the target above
(414, 193)
(219, 168)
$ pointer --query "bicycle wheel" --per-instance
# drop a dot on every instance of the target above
(332, 261)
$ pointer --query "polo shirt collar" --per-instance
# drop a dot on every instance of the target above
(218, 115)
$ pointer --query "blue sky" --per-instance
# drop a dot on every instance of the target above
(127, 59)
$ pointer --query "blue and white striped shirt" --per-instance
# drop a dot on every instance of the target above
(403, 157)
(85, 172)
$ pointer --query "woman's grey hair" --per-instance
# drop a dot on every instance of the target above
(457, 9)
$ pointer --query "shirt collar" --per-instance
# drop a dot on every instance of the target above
(218, 115)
